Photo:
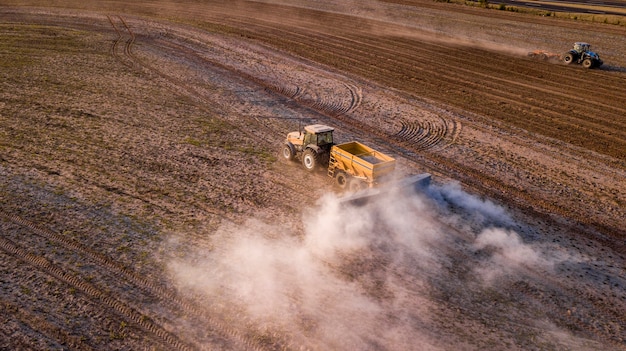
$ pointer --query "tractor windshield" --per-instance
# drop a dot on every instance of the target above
(581, 47)
(325, 138)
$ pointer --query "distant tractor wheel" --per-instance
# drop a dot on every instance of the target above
(341, 179)
(309, 159)
(587, 63)
(357, 185)
(288, 152)
(568, 58)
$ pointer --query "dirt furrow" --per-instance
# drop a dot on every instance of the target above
(39, 324)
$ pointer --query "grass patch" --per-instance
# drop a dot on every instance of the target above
(194, 142)
(258, 153)
(24, 39)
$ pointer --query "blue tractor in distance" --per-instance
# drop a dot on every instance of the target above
(581, 53)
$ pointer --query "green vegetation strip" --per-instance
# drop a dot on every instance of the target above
(591, 7)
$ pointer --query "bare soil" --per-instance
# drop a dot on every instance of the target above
(144, 205)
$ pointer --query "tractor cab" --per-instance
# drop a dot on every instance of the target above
(312, 146)
(580, 47)
(316, 134)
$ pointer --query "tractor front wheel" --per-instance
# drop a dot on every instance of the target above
(309, 159)
(288, 152)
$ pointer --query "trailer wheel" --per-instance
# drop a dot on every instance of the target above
(341, 179)
(288, 152)
(309, 159)
(357, 185)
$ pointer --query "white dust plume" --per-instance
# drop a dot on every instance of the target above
(359, 277)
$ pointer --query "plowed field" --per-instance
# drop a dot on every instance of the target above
(144, 204)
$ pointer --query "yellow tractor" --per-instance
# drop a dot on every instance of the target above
(312, 146)
(352, 165)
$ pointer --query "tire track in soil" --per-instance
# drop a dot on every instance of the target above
(137, 63)
(175, 85)
(132, 314)
(114, 47)
(294, 94)
(317, 102)
(421, 135)
(164, 295)
(430, 135)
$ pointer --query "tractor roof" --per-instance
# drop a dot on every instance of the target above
(318, 128)
(581, 43)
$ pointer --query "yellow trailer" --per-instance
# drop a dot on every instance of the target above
(358, 166)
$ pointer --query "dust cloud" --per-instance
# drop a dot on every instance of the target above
(359, 277)
(509, 254)
(490, 225)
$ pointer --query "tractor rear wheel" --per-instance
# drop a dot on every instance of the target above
(568, 58)
(288, 152)
(341, 179)
(309, 159)
(587, 63)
